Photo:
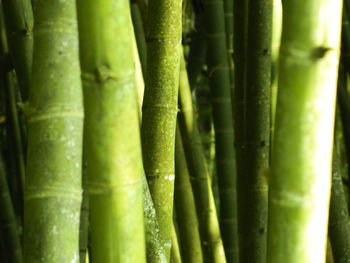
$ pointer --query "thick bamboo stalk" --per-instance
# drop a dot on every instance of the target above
(19, 25)
(53, 192)
(301, 158)
(159, 109)
(185, 207)
(252, 184)
(113, 147)
(154, 249)
(212, 246)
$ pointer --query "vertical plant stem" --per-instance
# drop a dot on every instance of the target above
(175, 256)
(213, 250)
(301, 158)
(159, 109)
(113, 147)
(19, 25)
(53, 191)
(252, 184)
(219, 82)
(339, 223)
(185, 207)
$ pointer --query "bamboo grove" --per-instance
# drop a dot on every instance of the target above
(203, 131)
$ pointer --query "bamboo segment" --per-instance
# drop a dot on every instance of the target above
(219, 82)
(301, 158)
(53, 193)
(252, 185)
(113, 147)
(212, 246)
(185, 207)
(19, 25)
(159, 109)
(339, 223)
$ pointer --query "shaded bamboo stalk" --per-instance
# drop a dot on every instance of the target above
(252, 184)
(209, 230)
(339, 223)
(113, 147)
(301, 158)
(159, 109)
(53, 193)
(8, 219)
(19, 24)
(185, 207)
(219, 83)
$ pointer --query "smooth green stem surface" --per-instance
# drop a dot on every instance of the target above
(185, 207)
(112, 138)
(219, 83)
(53, 193)
(175, 255)
(159, 109)
(302, 150)
(213, 250)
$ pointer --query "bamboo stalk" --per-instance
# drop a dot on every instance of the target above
(113, 147)
(252, 185)
(19, 24)
(159, 109)
(219, 83)
(175, 256)
(301, 158)
(185, 207)
(53, 191)
(212, 246)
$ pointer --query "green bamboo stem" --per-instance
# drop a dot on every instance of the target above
(53, 191)
(275, 47)
(185, 207)
(140, 35)
(159, 109)
(213, 250)
(240, 15)
(154, 249)
(19, 24)
(219, 83)
(252, 185)
(113, 146)
(175, 256)
(8, 219)
(339, 223)
(301, 158)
